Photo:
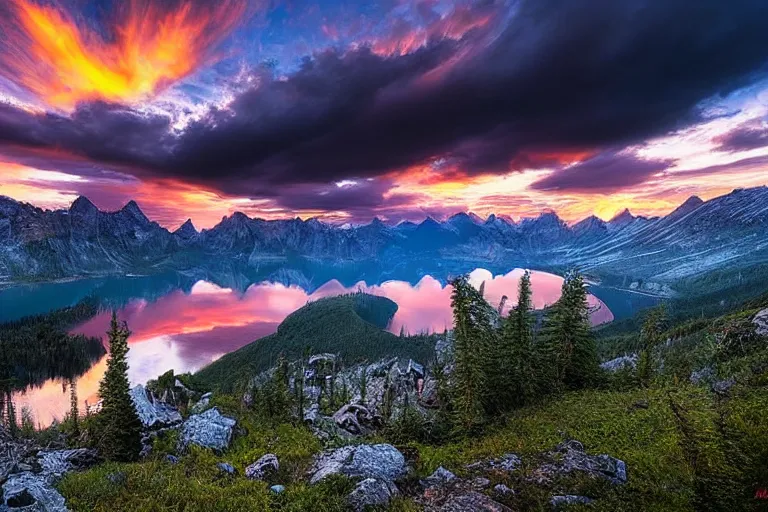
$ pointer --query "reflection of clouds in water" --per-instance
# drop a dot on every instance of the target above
(184, 332)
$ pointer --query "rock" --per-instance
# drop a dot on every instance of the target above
(356, 419)
(472, 501)
(277, 489)
(172, 459)
(117, 478)
(25, 489)
(371, 492)
(507, 462)
(620, 363)
(481, 483)
(761, 322)
(441, 476)
(202, 404)
(503, 490)
(226, 467)
(702, 376)
(57, 462)
(570, 456)
(266, 466)
(21, 468)
(381, 461)
(209, 429)
(311, 414)
(722, 387)
(568, 499)
(153, 413)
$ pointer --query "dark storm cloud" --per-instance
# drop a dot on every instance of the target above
(743, 138)
(559, 76)
(606, 172)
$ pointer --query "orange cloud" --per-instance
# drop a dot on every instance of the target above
(63, 63)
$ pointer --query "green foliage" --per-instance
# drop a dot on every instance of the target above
(650, 336)
(348, 325)
(118, 427)
(39, 348)
(74, 410)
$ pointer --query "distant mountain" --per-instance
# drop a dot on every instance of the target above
(726, 232)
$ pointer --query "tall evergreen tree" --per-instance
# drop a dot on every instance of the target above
(120, 427)
(469, 373)
(74, 411)
(569, 343)
(519, 354)
(654, 325)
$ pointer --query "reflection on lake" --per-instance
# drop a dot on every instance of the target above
(185, 329)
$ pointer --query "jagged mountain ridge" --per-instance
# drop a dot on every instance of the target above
(696, 237)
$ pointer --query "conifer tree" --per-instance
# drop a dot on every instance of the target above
(120, 427)
(650, 336)
(570, 345)
(519, 354)
(74, 411)
(469, 374)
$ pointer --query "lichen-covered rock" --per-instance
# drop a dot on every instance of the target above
(441, 476)
(380, 461)
(570, 456)
(620, 363)
(264, 467)
(569, 499)
(153, 413)
(56, 463)
(33, 491)
(722, 387)
(471, 501)
(761, 322)
(371, 492)
(209, 429)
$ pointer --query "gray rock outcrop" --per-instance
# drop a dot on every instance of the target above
(761, 322)
(153, 413)
(371, 492)
(35, 492)
(570, 457)
(209, 429)
(620, 363)
(379, 461)
(266, 466)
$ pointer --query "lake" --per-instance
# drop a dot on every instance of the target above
(180, 323)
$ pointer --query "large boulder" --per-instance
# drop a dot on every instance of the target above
(56, 463)
(153, 413)
(266, 466)
(209, 429)
(379, 461)
(371, 492)
(761, 322)
(28, 491)
(356, 419)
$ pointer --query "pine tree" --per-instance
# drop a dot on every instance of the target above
(569, 343)
(120, 427)
(519, 354)
(363, 385)
(650, 336)
(469, 374)
(74, 411)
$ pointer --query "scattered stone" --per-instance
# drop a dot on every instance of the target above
(569, 499)
(209, 429)
(702, 376)
(381, 461)
(481, 483)
(226, 467)
(277, 489)
(57, 462)
(761, 322)
(117, 478)
(620, 363)
(570, 456)
(507, 462)
(441, 476)
(172, 459)
(503, 490)
(263, 468)
(471, 501)
(356, 419)
(34, 490)
(153, 413)
(371, 492)
(722, 387)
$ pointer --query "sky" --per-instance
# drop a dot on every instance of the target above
(397, 109)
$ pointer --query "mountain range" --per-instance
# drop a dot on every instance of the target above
(727, 232)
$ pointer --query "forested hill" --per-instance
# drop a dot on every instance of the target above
(351, 326)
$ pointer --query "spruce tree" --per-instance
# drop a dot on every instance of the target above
(74, 411)
(519, 354)
(569, 344)
(650, 336)
(469, 374)
(120, 427)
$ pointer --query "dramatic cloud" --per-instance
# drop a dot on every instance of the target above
(604, 173)
(749, 136)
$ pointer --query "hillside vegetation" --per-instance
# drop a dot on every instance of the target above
(352, 326)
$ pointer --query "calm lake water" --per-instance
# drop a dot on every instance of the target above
(183, 324)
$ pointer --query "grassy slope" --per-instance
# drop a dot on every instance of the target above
(350, 325)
